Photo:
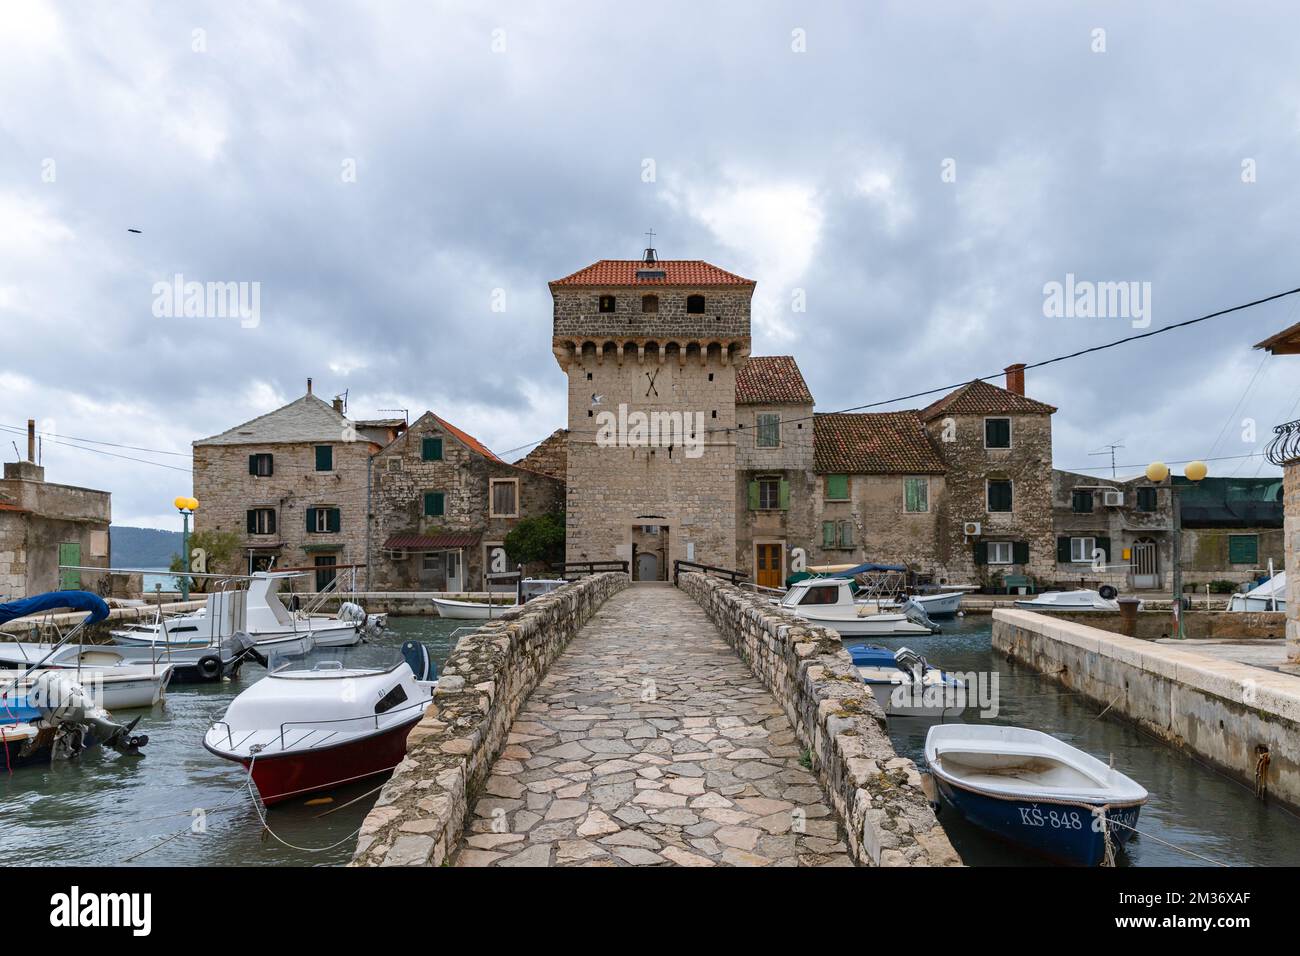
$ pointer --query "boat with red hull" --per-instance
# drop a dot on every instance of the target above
(302, 731)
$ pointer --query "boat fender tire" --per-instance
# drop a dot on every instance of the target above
(209, 666)
(1108, 592)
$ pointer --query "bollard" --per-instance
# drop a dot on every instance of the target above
(1128, 616)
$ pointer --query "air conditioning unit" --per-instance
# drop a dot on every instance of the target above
(1112, 499)
(971, 529)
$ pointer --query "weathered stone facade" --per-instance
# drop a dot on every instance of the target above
(788, 521)
(551, 457)
(876, 793)
(413, 545)
(633, 346)
(419, 817)
(39, 522)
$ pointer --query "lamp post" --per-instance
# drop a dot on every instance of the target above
(1157, 472)
(187, 507)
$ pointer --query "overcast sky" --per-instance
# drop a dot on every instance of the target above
(917, 172)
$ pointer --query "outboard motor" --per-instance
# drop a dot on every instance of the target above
(352, 613)
(239, 646)
(420, 661)
(916, 614)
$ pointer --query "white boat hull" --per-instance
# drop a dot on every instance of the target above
(870, 625)
(124, 687)
(938, 605)
(468, 610)
(892, 688)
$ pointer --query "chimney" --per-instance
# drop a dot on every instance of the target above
(1016, 378)
(308, 386)
(31, 440)
(338, 404)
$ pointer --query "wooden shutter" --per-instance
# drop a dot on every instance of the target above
(1104, 545)
(431, 449)
(837, 487)
(1063, 550)
(252, 464)
(311, 520)
(981, 552)
(783, 495)
(252, 521)
(828, 534)
(1020, 552)
(324, 458)
(753, 496)
(1243, 549)
(333, 519)
(433, 504)
(846, 534)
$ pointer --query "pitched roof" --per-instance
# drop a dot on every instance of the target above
(467, 439)
(874, 443)
(1286, 342)
(771, 380)
(306, 419)
(676, 272)
(983, 398)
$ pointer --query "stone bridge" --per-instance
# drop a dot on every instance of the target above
(646, 726)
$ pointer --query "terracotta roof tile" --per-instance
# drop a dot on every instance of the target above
(435, 542)
(473, 443)
(676, 272)
(771, 380)
(984, 398)
(874, 443)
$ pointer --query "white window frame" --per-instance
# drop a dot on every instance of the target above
(1011, 433)
(492, 497)
(926, 509)
(323, 518)
(260, 512)
(988, 505)
(1010, 552)
(1075, 550)
(758, 429)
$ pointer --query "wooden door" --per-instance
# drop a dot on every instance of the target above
(767, 561)
(69, 554)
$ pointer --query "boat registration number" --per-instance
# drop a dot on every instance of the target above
(1057, 819)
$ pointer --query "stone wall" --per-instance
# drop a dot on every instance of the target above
(419, 817)
(1291, 527)
(1231, 714)
(791, 460)
(877, 794)
(882, 528)
(36, 517)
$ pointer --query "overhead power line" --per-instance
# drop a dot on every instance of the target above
(94, 441)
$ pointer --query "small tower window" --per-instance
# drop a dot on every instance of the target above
(649, 303)
(607, 303)
(695, 304)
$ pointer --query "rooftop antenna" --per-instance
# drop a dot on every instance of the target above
(1109, 450)
(650, 257)
(406, 414)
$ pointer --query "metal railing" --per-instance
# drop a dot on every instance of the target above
(1284, 449)
(734, 576)
(590, 567)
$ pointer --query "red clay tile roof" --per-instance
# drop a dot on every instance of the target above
(425, 542)
(984, 398)
(694, 273)
(1286, 342)
(771, 380)
(473, 443)
(874, 443)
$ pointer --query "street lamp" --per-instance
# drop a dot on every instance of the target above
(1157, 472)
(187, 507)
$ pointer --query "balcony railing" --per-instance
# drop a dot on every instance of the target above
(1284, 449)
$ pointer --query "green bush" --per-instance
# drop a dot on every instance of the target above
(540, 538)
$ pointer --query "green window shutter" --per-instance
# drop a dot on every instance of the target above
(783, 501)
(431, 449)
(1020, 552)
(434, 504)
(1063, 550)
(324, 457)
(1104, 545)
(252, 464)
(270, 465)
(981, 552)
(916, 495)
(846, 534)
(271, 519)
(252, 521)
(1243, 549)
(311, 520)
(333, 519)
(828, 534)
(753, 496)
(837, 487)
(997, 433)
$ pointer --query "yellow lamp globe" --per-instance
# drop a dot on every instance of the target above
(180, 503)
(1157, 472)
(1196, 470)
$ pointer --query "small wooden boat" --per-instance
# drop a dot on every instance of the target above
(1034, 790)
(1083, 599)
(302, 731)
(906, 685)
(481, 610)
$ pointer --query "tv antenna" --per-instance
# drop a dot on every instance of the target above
(1109, 450)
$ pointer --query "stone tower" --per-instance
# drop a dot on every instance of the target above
(651, 349)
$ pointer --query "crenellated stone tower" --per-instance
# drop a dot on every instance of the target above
(651, 348)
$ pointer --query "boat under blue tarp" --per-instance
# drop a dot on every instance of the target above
(54, 601)
(867, 568)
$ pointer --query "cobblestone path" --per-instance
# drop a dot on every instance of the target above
(650, 743)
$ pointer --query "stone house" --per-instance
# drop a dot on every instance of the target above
(443, 504)
(650, 348)
(294, 485)
(44, 525)
(774, 466)
(550, 457)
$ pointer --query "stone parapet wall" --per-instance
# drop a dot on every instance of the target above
(419, 817)
(876, 793)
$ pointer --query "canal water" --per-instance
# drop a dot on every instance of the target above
(179, 805)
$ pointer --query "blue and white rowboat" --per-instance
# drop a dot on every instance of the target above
(1034, 790)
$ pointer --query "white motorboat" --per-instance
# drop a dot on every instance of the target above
(1269, 596)
(189, 664)
(122, 687)
(906, 685)
(258, 612)
(300, 731)
(830, 603)
(1029, 787)
(1080, 600)
(481, 610)
(940, 604)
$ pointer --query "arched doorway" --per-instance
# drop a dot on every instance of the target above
(1146, 564)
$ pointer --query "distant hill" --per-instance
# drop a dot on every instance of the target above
(142, 547)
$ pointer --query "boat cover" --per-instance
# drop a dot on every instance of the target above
(73, 600)
(868, 568)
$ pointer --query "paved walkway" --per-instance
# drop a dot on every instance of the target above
(650, 743)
